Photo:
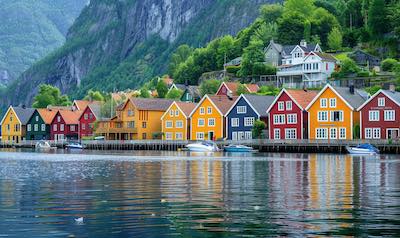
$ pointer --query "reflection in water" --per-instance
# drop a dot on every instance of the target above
(160, 195)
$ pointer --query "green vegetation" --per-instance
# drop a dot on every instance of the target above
(242, 89)
(49, 95)
(162, 89)
(268, 91)
(258, 128)
(335, 39)
(94, 96)
(389, 64)
(174, 94)
(209, 86)
(373, 89)
(144, 93)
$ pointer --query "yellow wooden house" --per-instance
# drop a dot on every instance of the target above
(13, 124)
(175, 121)
(207, 120)
(135, 119)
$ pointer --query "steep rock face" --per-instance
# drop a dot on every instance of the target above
(114, 40)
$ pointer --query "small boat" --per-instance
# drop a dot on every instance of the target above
(43, 145)
(203, 146)
(363, 149)
(74, 145)
(238, 148)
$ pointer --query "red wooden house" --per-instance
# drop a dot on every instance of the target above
(287, 116)
(87, 119)
(232, 87)
(64, 125)
(379, 116)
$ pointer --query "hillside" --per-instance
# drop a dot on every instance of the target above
(121, 44)
(29, 30)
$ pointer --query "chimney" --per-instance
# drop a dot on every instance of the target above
(303, 43)
(229, 94)
(351, 88)
(392, 88)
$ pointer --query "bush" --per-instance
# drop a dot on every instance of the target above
(348, 66)
(389, 64)
(232, 69)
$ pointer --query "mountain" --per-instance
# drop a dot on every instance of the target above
(29, 30)
(121, 44)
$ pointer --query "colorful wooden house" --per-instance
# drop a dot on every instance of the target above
(175, 121)
(191, 94)
(244, 112)
(207, 120)
(89, 116)
(13, 124)
(38, 126)
(379, 116)
(65, 125)
(231, 88)
(333, 113)
(136, 119)
(287, 116)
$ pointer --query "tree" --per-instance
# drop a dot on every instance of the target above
(291, 28)
(335, 39)
(144, 93)
(373, 89)
(377, 21)
(348, 66)
(389, 64)
(258, 128)
(271, 12)
(181, 54)
(252, 54)
(225, 50)
(209, 86)
(94, 96)
(268, 91)
(162, 88)
(322, 23)
(49, 95)
(242, 89)
(174, 94)
(303, 7)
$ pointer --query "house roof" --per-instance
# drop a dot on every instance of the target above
(355, 100)
(222, 102)
(70, 117)
(253, 88)
(151, 104)
(260, 103)
(186, 107)
(325, 56)
(232, 86)
(96, 109)
(47, 115)
(393, 95)
(288, 48)
(194, 90)
(180, 86)
(23, 114)
(302, 97)
(50, 107)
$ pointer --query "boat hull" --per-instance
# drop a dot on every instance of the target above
(359, 151)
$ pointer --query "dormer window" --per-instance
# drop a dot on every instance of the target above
(381, 102)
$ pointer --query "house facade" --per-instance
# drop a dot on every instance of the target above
(287, 116)
(380, 116)
(38, 126)
(88, 118)
(364, 59)
(191, 94)
(175, 121)
(13, 124)
(65, 125)
(244, 112)
(207, 120)
(333, 113)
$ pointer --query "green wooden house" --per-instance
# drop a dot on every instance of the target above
(38, 126)
(191, 94)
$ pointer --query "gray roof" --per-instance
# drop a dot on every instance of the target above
(180, 86)
(194, 90)
(96, 109)
(393, 95)
(356, 99)
(260, 103)
(152, 104)
(288, 48)
(24, 114)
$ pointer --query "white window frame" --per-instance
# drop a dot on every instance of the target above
(320, 116)
(386, 114)
(281, 106)
(376, 133)
(171, 113)
(277, 134)
(248, 135)
(202, 110)
(342, 133)
(332, 102)
(249, 121)
(169, 136)
(289, 105)
(235, 122)
(374, 115)
(381, 102)
(43, 127)
(178, 136)
(169, 124)
(72, 127)
(291, 118)
(341, 116)
(290, 134)
(323, 102)
(333, 134)
(279, 119)
(179, 124)
(176, 112)
(209, 110)
(35, 127)
(199, 135)
(62, 127)
(321, 136)
(55, 127)
(368, 133)
(29, 127)
(201, 120)
(241, 109)
(209, 122)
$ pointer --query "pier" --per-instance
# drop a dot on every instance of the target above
(262, 145)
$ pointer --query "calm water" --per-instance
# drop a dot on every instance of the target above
(180, 195)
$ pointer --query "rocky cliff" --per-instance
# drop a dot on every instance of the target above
(120, 44)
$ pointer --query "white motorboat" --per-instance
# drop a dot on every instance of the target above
(74, 145)
(203, 146)
(43, 145)
(238, 148)
(363, 149)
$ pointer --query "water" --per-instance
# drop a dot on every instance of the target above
(160, 194)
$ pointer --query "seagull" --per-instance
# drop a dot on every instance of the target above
(79, 220)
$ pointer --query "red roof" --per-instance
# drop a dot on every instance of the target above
(186, 107)
(71, 117)
(222, 102)
(302, 97)
(253, 88)
(47, 115)
(232, 86)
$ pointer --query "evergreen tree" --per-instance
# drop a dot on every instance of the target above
(377, 21)
(291, 28)
(162, 89)
(335, 39)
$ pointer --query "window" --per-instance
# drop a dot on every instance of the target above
(90, 115)
(248, 121)
(277, 134)
(171, 113)
(200, 122)
(130, 113)
(332, 103)
(62, 127)
(373, 115)
(281, 106)
(58, 119)
(43, 127)
(168, 135)
(199, 135)
(168, 124)
(178, 136)
(37, 118)
(241, 109)
(333, 133)
(209, 110)
(323, 103)
(389, 115)
(368, 133)
(144, 124)
(144, 136)
(322, 116)
(201, 110)
(235, 122)
(72, 128)
(11, 118)
(36, 127)
(336, 115)
(179, 124)
(279, 119)
(342, 133)
(290, 134)
(322, 133)
(176, 113)
(381, 102)
(376, 133)
(291, 118)
(289, 105)
(29, 127)
(131, 124)
(85, 116)
(84, 126)
(211, 121)
(55, 127)
(248, 135)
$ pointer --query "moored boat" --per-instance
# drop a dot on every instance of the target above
(203, 146)
(43, 145)
(74, 145)
(238, 148)
(363, 149)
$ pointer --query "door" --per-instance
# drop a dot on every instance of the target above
(211, 135)
(234, 135)
(392, 133)
(240, 135)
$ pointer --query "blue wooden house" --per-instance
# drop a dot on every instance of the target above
(244, 112)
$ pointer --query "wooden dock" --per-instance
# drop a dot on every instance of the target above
(294, 146)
